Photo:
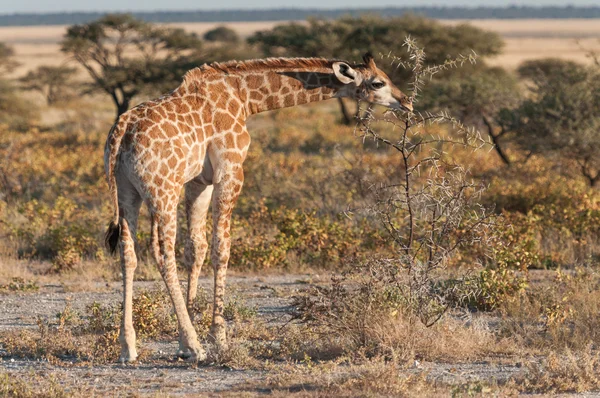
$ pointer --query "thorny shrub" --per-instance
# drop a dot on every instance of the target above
(431, 211)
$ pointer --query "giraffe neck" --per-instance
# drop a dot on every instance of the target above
(264, 85)
(272, 90)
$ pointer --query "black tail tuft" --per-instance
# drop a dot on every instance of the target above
(111, 238)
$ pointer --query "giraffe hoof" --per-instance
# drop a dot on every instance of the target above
(198, 357)
(190, 354)
(128, 357)
(184, 354)
(219, 340)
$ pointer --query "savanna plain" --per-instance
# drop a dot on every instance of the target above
(452, 252)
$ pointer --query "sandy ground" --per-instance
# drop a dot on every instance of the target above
(525, 39)
(161, 372)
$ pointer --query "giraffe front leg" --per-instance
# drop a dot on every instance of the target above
(197, 200)
(226, 194)
(164, 228)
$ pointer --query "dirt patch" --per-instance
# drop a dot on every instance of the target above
(161, 372)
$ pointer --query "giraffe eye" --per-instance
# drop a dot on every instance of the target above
(378, 85)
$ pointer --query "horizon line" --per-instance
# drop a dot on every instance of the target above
(304, 9)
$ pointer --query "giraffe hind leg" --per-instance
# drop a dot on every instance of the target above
(226, 194)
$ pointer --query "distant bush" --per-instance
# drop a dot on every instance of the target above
(222, 34)
(554, 219)
(7, 64)
(60, 233)
(55, 83)
(285, 237)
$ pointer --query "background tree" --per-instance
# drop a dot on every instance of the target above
(125, 56)
(478, 98)
(7, 64)
(54, 82)
(15, 112)
(561, 115)
(222, 34)
(349, 37)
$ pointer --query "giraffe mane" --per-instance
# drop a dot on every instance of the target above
(257, 65)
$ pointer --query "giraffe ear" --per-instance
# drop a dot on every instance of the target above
(345, 73)
(369, 60)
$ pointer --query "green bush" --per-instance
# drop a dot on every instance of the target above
(15, 112)
(59, 232)
(285, 237)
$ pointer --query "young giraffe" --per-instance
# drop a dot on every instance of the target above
(195, 137)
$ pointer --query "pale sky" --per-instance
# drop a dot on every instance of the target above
(12, 6)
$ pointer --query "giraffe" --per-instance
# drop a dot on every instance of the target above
(195, 139)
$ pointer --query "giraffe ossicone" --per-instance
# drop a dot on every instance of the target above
(195, 138)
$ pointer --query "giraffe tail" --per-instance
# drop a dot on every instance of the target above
(111, 151)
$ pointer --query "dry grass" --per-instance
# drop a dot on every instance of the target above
(572, 372)
(307, 361)
(556, 315)
(31, 386)
(370, 378)
(87, 276)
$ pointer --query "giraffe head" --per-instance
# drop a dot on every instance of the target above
(369, 83)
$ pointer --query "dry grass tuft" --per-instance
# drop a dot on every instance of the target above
(371, 316)
(568, 373)
(93, 336)
(67, 339)
(371, 378)
(557, 315)
(35, 386)
(18, 284)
